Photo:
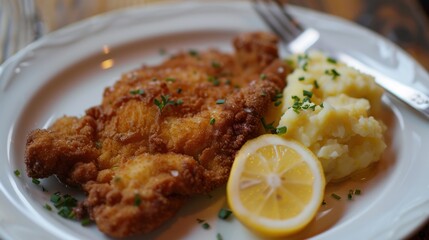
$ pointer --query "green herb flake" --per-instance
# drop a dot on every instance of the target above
(220, 101)
(213, 80)
(281, 130)
(161, 104)
(215, 64)
(98, 145)
(55, 197)
(224, 213)
(219, 237)
(85, 222)
(212, 121)
(316, 84)
(47, 207)
(137, 92)
(357, 191)
(323, 202)
(17, 173)
(179, 90)
(307, 93)
(137, 200)
(36, 181)
(66, 212)
(335, 196)
(331, 60)
(263, 76)
(193, 52)
(303, 62)
(205, 225)
(301, 78)
(277, 103)
(179, 102)
(267, 126)
(170, 79)
(333, 73)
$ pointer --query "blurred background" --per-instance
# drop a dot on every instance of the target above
(404, 22)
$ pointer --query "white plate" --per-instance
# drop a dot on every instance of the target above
(62, 74)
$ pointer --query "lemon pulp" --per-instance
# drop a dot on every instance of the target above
(276, 185)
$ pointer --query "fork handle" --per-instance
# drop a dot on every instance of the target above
(411, 96)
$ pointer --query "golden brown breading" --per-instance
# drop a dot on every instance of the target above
(162, 133)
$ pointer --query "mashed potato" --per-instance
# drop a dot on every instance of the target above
(331, 109)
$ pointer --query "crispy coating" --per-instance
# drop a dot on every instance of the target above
(162, 133)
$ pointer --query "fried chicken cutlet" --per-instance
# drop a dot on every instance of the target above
(162, 133)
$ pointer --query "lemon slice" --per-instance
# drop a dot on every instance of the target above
(276, 185)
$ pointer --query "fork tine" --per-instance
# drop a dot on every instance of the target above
(293, 25)
(266, 13)
(279, 20)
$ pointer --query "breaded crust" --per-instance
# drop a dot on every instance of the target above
(162, 133)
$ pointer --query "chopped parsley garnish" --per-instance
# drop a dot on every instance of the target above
(137, 92)
(170, 79)
(213, 80)
(215, 64)
(193, 52)
(277, 103)
(316, 84)
(281, 130)
(206, 225)
(303, 104)
(36, 181)
(220, 101)
(307, 93)
(289, 62)
(331, 60)
(267, 126)
(333, 73)
(179, 102)
(137, 200)
(98, 145)
(219, 237)
(65, 204)
(350, 195)
(303, 62)
(263, 76)
(278, 96)
(47, 207)
(66, 212)
(357, 192)
(212, 121)
(335, 196)
(224, 213)
(85, 222)
(270, 128)
(165, 102)
(17, 173)
(301, 78)
(203, 223)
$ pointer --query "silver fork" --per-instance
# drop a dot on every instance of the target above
(298, 39)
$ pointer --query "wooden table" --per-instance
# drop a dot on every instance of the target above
(405, 22)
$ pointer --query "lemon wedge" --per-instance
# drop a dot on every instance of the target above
(276, 185)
